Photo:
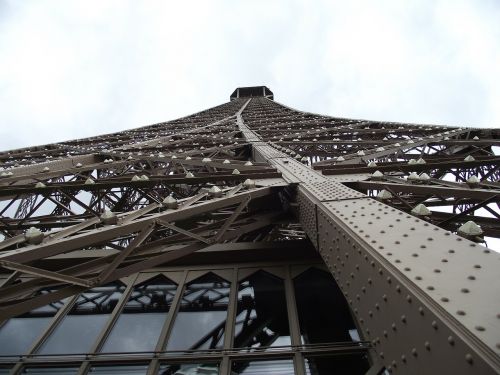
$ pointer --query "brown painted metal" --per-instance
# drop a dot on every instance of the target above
(319, 165)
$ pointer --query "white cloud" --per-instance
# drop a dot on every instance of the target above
(80, 68)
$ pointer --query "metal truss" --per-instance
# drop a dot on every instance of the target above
(396, 211)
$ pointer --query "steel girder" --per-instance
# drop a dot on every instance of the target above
(421, 294)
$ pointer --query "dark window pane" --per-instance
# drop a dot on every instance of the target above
(262, 318)
(121, 370)
(84, 321)
(355, 364)
(17, 334)
(200, 322)
(276, 367)
(50, 370)
(189, 369)
(142, 318)
(324, 315)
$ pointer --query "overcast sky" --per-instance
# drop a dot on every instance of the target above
(70, 69)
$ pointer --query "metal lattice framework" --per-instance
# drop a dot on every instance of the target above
(387, 205)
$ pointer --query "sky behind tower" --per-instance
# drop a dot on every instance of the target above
(71, 69)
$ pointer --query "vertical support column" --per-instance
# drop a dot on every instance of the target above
(225, 366)
(293, 319)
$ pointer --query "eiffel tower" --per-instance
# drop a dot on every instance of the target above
(253, 238)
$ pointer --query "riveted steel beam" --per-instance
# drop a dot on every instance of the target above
(421, 294)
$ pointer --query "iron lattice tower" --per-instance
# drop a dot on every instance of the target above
(387, 206)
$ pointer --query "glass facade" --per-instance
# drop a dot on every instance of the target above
(84, 321)
(251, 321)
(143, 316)
(200, 320)
(19, 333)
(262, 318)
(329, 323)
(274, 367)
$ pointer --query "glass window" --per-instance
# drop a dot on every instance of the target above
(50, 370)
(324, 315)
(275, 367)
(84, 321)
(18, 334)
(189, 369)
(121, 370)
(262, 317)
(201, 318)
(355, 364)
(141, 321)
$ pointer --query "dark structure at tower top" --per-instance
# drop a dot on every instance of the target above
(252, 238)
(253, 91)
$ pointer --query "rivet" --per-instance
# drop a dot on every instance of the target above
(451, 341)
(480, 328)
(430, 287)
(477, 266)
(471, 277)
(437, 270)
(464, 290)
(421, 310)
(468, 358)
(385, 333)
(403, 318)
(461, 312)
(414, 352)
(408, 298)
(381, 354)
(403, 358)
(384, 297)
(444, 299)
(434, 324)
(393, 326)
(427, 345)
